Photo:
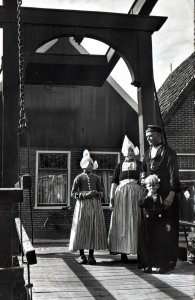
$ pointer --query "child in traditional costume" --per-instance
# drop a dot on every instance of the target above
(88, 225)
(153, 249)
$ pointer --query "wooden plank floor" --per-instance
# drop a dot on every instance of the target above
(57, 275)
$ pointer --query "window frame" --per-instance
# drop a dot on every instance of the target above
(187, 170)
(106, 206)
(52, 207)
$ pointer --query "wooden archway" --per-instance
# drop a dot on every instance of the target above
(130, 35)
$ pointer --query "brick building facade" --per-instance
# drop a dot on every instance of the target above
(177, 103)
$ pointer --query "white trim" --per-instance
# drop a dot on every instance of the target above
(54, 207)
(44, 48)
(186, 170)
(122, 93)
(49, 207)
(186, 154)
(187, 180)
(140, 124)
(110, 53)
(107, 152)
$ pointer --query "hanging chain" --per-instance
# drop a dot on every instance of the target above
(22, 121)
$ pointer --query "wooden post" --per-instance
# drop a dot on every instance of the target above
(8, 200)
(12, 283)
(10, 101)
(140, 123)
(147, 107)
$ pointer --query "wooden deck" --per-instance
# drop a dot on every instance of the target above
(57, 275)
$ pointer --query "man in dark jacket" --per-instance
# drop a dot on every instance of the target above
(161, 160)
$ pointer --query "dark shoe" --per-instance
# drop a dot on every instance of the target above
(162, 270)
(82, 260)
(148, 270)
(124, 258)
(91, 260)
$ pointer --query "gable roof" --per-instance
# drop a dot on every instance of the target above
(176, 86)
(125, 96)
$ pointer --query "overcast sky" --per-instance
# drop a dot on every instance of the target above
(175, 40)
(172, 44)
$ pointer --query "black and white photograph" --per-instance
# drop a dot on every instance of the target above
(97, 149)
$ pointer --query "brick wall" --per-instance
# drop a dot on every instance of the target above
(181, 129)
(181, 137)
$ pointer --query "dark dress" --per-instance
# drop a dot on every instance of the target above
(165, 166)
(153, 234)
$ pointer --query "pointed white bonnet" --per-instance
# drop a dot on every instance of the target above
(86, 160)
(128, 144)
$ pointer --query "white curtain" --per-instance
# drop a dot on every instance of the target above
(52, 189)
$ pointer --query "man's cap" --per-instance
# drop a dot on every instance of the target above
(154, 128)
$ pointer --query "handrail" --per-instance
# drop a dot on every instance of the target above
(28, 251)
(26, 245)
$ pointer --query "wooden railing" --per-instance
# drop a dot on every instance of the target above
(28, 252)
(12, 283)
(11, 275)
(25, 243)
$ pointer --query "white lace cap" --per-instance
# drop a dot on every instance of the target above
(128, 144)
(86, 160)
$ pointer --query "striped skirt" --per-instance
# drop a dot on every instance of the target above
(88, 226)
(123, 232)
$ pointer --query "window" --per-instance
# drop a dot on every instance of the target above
(52, 179)
(186, 163)
(107, 162)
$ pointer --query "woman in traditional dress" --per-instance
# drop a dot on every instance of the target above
(124, 195)
(88, 225)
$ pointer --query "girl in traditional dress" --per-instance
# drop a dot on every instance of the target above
(155, 228)
(88, 225)
(124, 195)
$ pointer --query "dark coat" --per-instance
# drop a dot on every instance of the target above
(153, 244)
(165, 166)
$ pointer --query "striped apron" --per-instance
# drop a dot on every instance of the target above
(123, 232)
(88, 226)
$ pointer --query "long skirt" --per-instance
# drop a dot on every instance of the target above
(123, 232)
(88, 226)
